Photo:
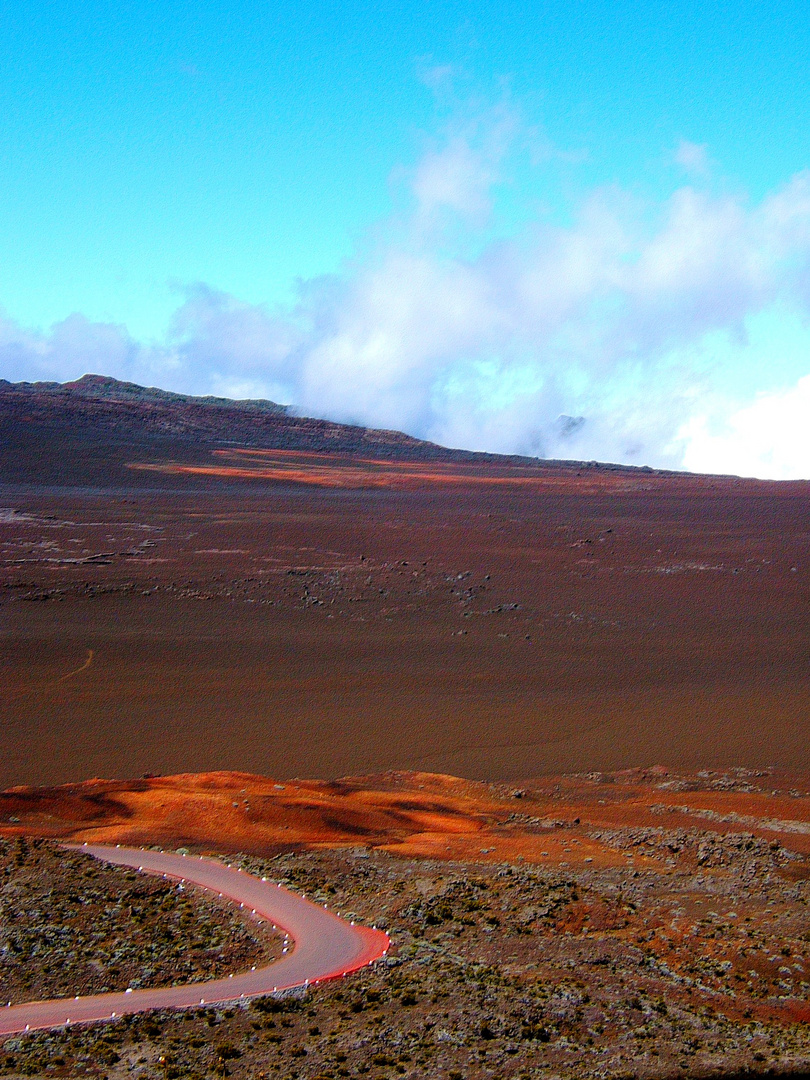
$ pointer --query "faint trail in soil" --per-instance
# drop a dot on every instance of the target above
(79, 670)
(54, 682)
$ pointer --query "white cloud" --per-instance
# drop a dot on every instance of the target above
(452, 178)
(74, 345)
(692, 157)
(768, 438)
(454, 329)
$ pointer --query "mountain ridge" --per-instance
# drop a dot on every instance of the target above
(102, 408)
(108, 388)
(103, 399)
(87, 431)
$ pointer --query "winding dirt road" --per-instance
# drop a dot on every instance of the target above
(325, 947)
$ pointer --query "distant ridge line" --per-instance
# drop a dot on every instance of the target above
(95, 405)
(105, 387)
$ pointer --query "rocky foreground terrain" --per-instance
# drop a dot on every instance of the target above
(641, 924)
(70, 924)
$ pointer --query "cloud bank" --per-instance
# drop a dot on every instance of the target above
(619, 329)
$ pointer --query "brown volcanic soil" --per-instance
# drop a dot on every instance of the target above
(177, 596)
(501, 621)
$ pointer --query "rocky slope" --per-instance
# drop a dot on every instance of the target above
(53, 431)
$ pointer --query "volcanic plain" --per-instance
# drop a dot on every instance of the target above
(287, 640)
(170, 602)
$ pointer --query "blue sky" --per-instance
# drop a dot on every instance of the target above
(316, 202)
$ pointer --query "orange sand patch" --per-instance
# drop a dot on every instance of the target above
(417, 814)
(334, 471)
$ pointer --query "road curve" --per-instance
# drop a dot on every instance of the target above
(325, 947)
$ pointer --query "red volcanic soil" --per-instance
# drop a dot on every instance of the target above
(170, 602)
